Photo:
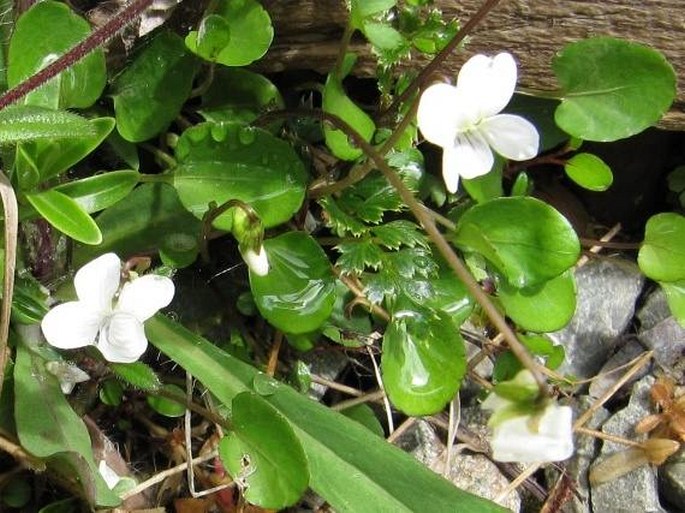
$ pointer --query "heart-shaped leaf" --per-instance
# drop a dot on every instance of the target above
(220, 162)
(662, 255)
(298, 293)
(423, 360)
(150, 92)
(542, 308)
(41, 35)
(263, 454)
(612, 89)
(525, 239)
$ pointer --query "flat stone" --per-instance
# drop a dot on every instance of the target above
(607, 292)
(667, 339)
(635, 491)
(672, 481)
(630, 349)
(654, 310)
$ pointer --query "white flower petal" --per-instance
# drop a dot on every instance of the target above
(98, 280)
(108, 474)
(470, 157)
(526, 439)
(488, 83)
(71, 325)
(511, 136)
(442, 113)
(67, 373)
(144, 296)
(122, 339)
(257, 262)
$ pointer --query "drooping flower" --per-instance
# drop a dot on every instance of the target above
(521, 435)
(108, 315)
(258, 262)
(465, 120)
(67, 373)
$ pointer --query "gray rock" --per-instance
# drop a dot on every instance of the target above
(636, 490)
(630, 349)
(421, 441)
(607, 291)
(672, 481)
(327, 364)
(667, 339)
(654, 310)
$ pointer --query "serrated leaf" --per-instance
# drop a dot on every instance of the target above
(66, 215)
(589, 171)
(339, 221)
(612, 88)
(397, 233)
(370, 199)
(662, 255)
(23, 123)
(263, 452)
(358, 255)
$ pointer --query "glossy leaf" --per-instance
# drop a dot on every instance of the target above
(48, 426)
(354, 470)
(589, 171)
(66, 215)
(336, 102)
(298, 293)
(675, 296)
(149, 218)
(540, 112)
(263, 452)
(165, 406)
(137, 374)
(524, 239)
(541, 308)
(423, 361)
(150, 92)
(243, 36)
(41, 35)
(99, 192)
(361, 9)
(662, 255)
(22, 123)
(612, 89)
(365, 415)
(217, 163)
(238, 95)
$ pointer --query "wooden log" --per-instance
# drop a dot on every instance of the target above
(308, 32)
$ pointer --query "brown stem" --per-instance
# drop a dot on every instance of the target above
(93, 41)
(611, 245)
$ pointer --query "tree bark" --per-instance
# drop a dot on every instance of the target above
(308, 32)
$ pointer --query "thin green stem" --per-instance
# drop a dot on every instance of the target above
(160, 155)
(159, 178)
(556, 94)
(344, 45)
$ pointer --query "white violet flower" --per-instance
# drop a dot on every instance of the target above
(541, 436)
(257, 262)
(67, 373)
(106, 314)
(465, 120)
(108, 474)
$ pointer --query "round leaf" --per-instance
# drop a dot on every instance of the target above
(66, 215)
(541, 308)
(589, 171)
(41, 35)
(612, 89)
(150, 92)
(263, 454)
(243, 35)
(218, 163)
(165, 406)
(423, 361)
(525, 239)
(675, 296)
(662, 255)
(298, 293)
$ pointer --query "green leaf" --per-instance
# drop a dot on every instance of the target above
(66, 215)
(612, 89)
(361, 9)
(336, 102)
(589, 171)
(523, 185)
(365, 415)
(354, 470)
(298, 293)
(662, 255)
(54, 156)
(542, 308)
(22, 123)
(383, 36)
(29, 300)
(423, 361)
(149, 93)
(540, 112)
(238, 95)
(249, 34)
(397, 233)
(263, 452)
(675, 296)
(221, 162)
(99, 192)
(149, 218)
(525, 239)
(358, 255)
(167, 407)
(111, 392)
(41, 35)
(48, 426)
(137, 374)
(486, 187)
